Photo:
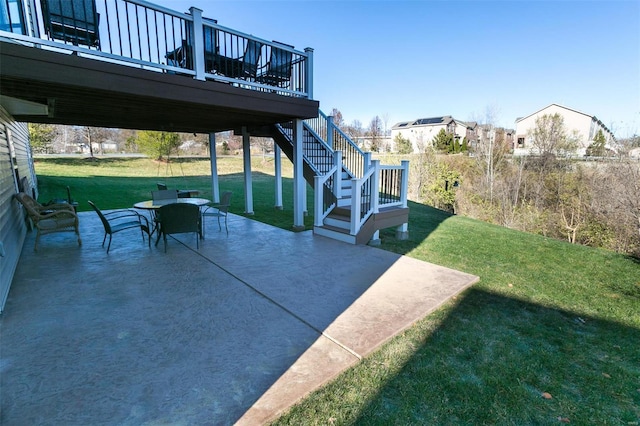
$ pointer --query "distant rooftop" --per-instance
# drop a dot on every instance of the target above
(432, 121)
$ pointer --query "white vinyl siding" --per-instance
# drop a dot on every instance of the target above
(12, 223)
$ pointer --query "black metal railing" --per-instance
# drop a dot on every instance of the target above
(139, 33)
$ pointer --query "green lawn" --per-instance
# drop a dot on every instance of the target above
(546, 316)
(121, 182)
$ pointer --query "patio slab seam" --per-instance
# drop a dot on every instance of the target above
(271, 300)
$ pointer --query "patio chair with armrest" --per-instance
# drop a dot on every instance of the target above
(118, 220)
(278, 70)
(164, 195)
(245, 67)
(75, 21)
(218, 210)
(51, 218)
(182, 193)
(179, 218)
(182, 56)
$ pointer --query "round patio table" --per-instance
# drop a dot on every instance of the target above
(154, 205)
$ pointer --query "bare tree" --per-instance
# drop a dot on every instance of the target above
(491, 150)
(354, 130)
(94, 135)
(549, 136)
(385, 120)
(337, 117)
(375, 132)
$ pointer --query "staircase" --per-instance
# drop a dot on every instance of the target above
(354, 196)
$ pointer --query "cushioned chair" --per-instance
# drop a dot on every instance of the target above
(118, 220)
(51, 218)
(218, 210)
(179, 218)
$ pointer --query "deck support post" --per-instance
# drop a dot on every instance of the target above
(277, 164)
(215, 187)
(248, 187)
(299, 193)
(402, 231)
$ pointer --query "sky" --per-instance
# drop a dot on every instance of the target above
(475, 60)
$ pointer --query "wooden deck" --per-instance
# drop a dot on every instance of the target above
(89, 92)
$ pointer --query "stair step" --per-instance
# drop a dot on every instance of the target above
(334, 233)
(339, 222)
(345, 202)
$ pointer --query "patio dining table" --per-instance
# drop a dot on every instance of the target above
(153, 205)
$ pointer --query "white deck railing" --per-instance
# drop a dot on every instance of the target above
(141, 34)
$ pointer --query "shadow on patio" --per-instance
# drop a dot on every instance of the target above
(233, 333)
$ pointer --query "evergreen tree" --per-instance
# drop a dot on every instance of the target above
(41, 137)
(597, 149)
(465, 145)
(403, 145)
(443, 141)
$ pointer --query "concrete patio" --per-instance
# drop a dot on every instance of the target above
(233, 333)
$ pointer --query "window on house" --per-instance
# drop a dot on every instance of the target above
(520, 142)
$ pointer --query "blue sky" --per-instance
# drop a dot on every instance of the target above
(403, 60)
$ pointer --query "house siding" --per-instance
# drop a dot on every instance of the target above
(577, 124)
(16, 161)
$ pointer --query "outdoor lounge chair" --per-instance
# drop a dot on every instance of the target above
(179, 218)
(51, 218)
(218, 210)
(74, 21)
(119, 220)
(278, 69)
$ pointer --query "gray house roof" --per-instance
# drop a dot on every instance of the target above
(432, 121)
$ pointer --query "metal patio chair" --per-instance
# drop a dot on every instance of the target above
(179, 218)
(278, 70)
(218, 210)
(244, 67)
(118, 220)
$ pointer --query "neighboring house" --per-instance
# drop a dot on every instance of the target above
(384, 143)
(487, 134)
(583, 127)
(422, 131)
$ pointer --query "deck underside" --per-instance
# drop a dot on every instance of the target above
(88, 92)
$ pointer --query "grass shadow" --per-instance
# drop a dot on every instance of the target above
(488, 359)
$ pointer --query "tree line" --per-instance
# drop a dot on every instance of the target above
(594, 203)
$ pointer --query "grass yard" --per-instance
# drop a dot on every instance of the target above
(550, 335)
(120, 182)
